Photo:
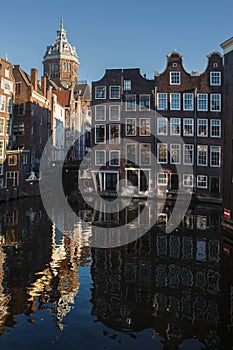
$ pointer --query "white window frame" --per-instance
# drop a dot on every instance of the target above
(143, 108)
(127, 85)
(188, 180)
(118, 95)
(111, 158)
(175, 78)
(212, 98)
(199, 180)
(96, 127)
(147, 120)
(199, 122)
(12, 175)
(188, 99)
(165, 144)
(164, 122)
(211, 155)
(2, 103)
(175, 96)
(9, 105)
(135, 125)
(162, 179)
(1, 168)
(175, 147)
(118, 107)
(172, 122)
(185, 154)
(12, 160)
(161, 101)
(215, 78)
(206, 151)
(103, 108)
(24, 159)
(140, 154)
(2, 121)
(104, 158)
(119, 135)
(126, 152)
(97, 96)
(201, 100)
(133, 96)
(192, 124)
(2, 149)
(212, 126)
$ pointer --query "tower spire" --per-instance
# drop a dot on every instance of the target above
(61, 24)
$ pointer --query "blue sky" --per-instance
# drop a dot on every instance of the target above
(121, 34)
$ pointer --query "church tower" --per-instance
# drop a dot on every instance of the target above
(61, 61)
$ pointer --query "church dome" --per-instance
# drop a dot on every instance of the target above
(61, 48)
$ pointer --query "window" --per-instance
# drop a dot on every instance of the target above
(202, 153)
(12, 178)
(1, 149)
(100, 157)
(100, 133)
(100, 112)
(202, 127)
(188, 154)
(215, 78)
(162, 126)
(162, 153)
(188, 127)
(114, 113)
(188, 102)
(9, 105)
(144, 102)
(1, 169)
(202, 102)
(175, 102)
(7, 85)
(130, 127)
(114, 133)
(25, 159)
(2, 103)
(18, 129)
(162, 179)
(17, 87)
(144, 126)
(187, 180)
(12, 160)
(130, 103)
(127, 85)
(215, 102)
(161, 101)
(145, 154)
(114, 92)
(215, 156)
(114, 158)
(131, 154)
(100, 92)
(175, 126)
(2, 124)
(215, 128)
(19, 109)
(202, 181)
(174, 78)
(175, 153)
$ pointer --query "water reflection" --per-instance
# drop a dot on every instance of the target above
(178, 285)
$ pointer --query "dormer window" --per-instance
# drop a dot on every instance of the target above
(174, 78)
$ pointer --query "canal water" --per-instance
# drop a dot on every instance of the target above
(162, 291)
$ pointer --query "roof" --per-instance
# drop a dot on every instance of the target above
(84, 91)
(63, 97)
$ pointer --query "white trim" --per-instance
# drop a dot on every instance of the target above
(192, 99)
(140, 154)
(110, 92)
(104, 109)
(177, 94)
(162, 143)
(119, 113)
(188, 135)
(192, 147)
(191, 176)
(104, 92)
(206, 99)
(206, 177)
(206, 147)
(96, 126)
(179, 150)
(220, 107)
(3, 131)
(211, 77)
(178, 73)
(146, 109)
(161, 93)
(166, 179)
(126, 153)
(220, 128)
(170, 124)
(135, 124)
(103, 152)
(198, 134)
(165, 125)
(215, 166)
(119, 134)
(140, 126)
(119, 157)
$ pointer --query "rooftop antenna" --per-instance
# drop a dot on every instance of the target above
(61, 24)
(6, 57)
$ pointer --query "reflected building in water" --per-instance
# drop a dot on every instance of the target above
(38, 265)
(168, 282)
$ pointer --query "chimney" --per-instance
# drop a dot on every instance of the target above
(43, 85)
(49, 93)
(34, 78)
